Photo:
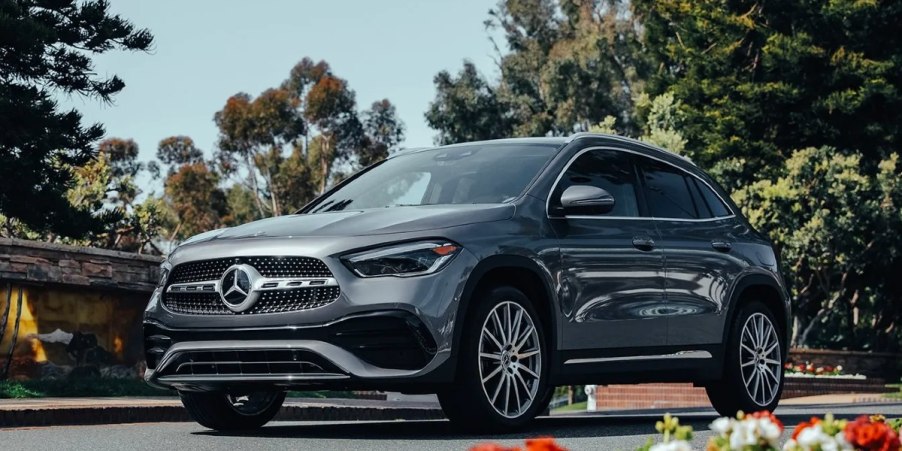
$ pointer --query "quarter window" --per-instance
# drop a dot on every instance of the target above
(718, 209)
(607, 169)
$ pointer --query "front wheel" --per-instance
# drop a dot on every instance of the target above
(753, 369)
(503, 365)
(229, 412)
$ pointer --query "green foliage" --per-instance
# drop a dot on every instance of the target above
(569, 65)
(44, 388)
(759, 80)
(837, 226)
(285, 145)
(46, 47)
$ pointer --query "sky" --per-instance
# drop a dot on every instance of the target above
(205, 51)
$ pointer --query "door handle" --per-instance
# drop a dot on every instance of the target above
(723, 246)
(643, 243)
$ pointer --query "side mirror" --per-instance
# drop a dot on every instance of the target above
(586, 200)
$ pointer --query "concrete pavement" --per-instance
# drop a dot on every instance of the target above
(607, 431)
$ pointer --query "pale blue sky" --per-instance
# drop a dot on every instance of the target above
(206, 51)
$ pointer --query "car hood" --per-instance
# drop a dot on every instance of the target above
(364, 222)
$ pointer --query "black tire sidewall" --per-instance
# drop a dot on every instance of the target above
(213, 410)
(732, 385)
(465, 402)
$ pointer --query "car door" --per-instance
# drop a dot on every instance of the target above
(613, 273)
(697, 231)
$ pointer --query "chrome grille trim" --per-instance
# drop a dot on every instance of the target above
(262, 284)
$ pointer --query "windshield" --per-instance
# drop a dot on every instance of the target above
(469, 174)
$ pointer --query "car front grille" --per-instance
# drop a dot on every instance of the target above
(277, 301)
(202, 302)
(204, 270)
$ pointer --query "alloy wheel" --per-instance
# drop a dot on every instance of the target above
(759, 359)
(510, 359)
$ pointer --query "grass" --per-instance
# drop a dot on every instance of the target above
(897, 394)
(68, 388)
(581, 406)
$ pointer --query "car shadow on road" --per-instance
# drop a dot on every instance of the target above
(563, 426)
(558, 426)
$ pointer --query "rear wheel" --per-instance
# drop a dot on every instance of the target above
(230, 411)
(503, 365)
(753, 367)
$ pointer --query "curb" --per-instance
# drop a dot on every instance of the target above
(31, 417)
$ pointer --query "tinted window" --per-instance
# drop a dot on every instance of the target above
(667, 191)
(700, 204)
(607, 169)
(718, 209)
(469, 174)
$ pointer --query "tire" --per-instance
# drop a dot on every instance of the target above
(745, 386)
(468, 402)
(220, 411)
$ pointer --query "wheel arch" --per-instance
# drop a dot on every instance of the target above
(520, 272)
(767, 290)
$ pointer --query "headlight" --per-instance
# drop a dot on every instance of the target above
(403, 260)
(164, 273)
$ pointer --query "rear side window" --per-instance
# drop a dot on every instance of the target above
(607, 169)
(667, 191)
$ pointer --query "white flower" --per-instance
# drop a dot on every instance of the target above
(675, 445)
(722, 426)
(814, 437)
(769, 431)
(744, 434)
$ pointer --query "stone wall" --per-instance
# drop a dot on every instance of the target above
(40, 263)
(81, 309)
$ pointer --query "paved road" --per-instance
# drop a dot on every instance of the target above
(624, 431)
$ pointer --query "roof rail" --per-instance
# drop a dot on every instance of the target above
(579, 135)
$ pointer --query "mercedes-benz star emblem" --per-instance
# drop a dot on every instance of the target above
(236, 287)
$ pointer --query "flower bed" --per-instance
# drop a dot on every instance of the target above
(759, 431)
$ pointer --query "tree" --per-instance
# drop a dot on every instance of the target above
(569, 65)
(836, 224)
(384, 132)
(178, 150)
(46, 47)
(252, 132)
(759, 80)
(290, 142)
(467, 108)
(197, 202)
(331, 108)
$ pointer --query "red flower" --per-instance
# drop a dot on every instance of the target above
(804, 425)
(492, 447)
(543, 444)
(870, 435)
(770, 416)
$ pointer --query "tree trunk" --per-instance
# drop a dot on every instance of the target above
(14, 337)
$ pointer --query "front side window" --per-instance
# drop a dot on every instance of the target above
(607, 169)
(468, 174)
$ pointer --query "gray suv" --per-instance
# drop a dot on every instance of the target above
(485, 272)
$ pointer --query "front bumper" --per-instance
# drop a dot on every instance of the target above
(387, 345)
(379, 333)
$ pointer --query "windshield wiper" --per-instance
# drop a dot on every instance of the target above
(340, 205)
